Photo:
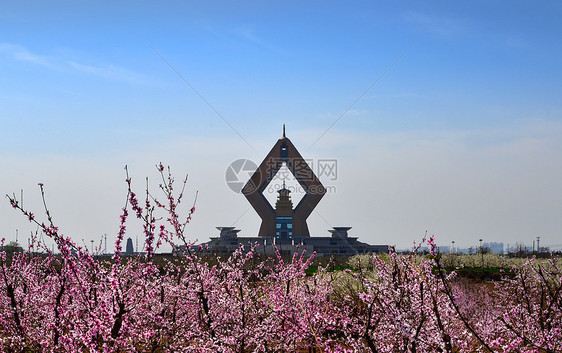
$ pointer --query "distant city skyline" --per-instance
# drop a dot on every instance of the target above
(460, 137)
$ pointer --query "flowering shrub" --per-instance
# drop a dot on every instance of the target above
(76, 302)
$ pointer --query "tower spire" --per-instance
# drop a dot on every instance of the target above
(284, 130)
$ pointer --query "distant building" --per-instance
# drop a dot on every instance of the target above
(339, 244)
(284, 227)
(129, 248)
(495, 248)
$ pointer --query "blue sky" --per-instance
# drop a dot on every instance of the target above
(460, 137)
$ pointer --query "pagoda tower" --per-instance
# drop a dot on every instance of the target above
(284, 211)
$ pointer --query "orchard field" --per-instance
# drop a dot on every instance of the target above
(76, 302)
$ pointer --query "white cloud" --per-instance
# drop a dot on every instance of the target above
(249, 33)
(20, 53)
(440, 26)
(112, 72)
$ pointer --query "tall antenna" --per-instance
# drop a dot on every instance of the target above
(284, 130)
(105, 247)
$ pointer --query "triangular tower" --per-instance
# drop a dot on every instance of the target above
(292, 220)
